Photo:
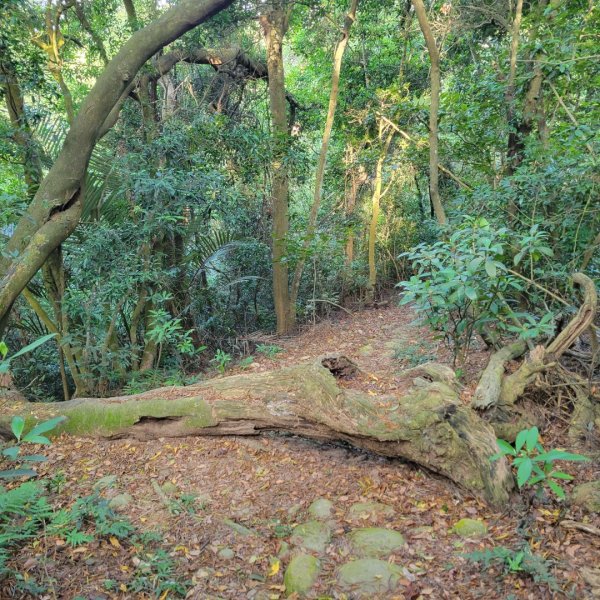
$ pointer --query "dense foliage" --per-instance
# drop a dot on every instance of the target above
(170, 267)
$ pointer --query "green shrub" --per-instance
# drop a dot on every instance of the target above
(535, 467)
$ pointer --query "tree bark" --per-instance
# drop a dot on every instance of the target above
(56, 208)
(274, 25)
(375, 212)
(333, 97)
(434, 57)
(427, 425)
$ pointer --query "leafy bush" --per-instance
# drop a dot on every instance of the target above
(462, 285)
(535, 467)
(516, 561)
(34, 436)
(221, 360)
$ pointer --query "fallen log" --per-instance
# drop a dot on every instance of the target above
(426, 424)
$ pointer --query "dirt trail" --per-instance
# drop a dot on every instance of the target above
(236, 539)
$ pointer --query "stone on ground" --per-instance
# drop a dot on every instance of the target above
(364, 510)
(301, 574)
(375, 541)
(239, 529)
(369, 576)
(312, 535)
(226, 553)
(321, 509)
(470, 528)
(120, 501)
(587, 496)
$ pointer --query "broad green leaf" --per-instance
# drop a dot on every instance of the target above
(17, 425)
(33, 458)
(556, 489)
(524, 472)
(490, 269)
(521, 439)
(11, 452)
(506, 448)
(46, 426)
(532, 437)
(36, 439)
(561, 475)
(14, 473)
(553, 455)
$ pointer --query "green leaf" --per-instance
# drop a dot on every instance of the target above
(14, 473)
(553, 455)
(490, 269)
(506, 448)
(33, 345)
(17, 425)
(561, 475)
(471, 293)
(524, 472)
(34, 458)
(521, 439)
(532, 437)
(556, 489)
(46, 426)
(36, 439)
(11, 452)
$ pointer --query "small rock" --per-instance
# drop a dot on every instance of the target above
(239, 529)
(369, 576)
(375, 541)
(312, 535)
(301, 574)
(363, 510)
(321, 509)
(226, 553)
(169, 488)
(587, 496)
(366, 349)
(105, 482)
(468, 528)
(120, 501)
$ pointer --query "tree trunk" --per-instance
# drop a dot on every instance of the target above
(335, 88)
(434, 57)
(375, 212)
(427, 425)
(274, 25)
(56, 208)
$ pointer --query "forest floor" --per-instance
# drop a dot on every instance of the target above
(224, 510)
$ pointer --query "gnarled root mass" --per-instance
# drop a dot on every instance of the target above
(426, 425)
(499, 392)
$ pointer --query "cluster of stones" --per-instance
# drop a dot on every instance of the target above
(366, 573)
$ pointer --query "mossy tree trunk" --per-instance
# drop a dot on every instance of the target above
(427, 425)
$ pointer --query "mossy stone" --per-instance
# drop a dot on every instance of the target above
(312, 535)
(226, 553)
(120, 501)
(321, 509)
(587, 496)
(470, 528)
(376, 542)
(369, 576)
(301, 574)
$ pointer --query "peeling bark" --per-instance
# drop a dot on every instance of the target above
(426, 425)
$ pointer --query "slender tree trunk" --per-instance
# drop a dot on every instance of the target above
(375, 210)
(333, 97)
(56, 208)
(434, 57)
(274, 25)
